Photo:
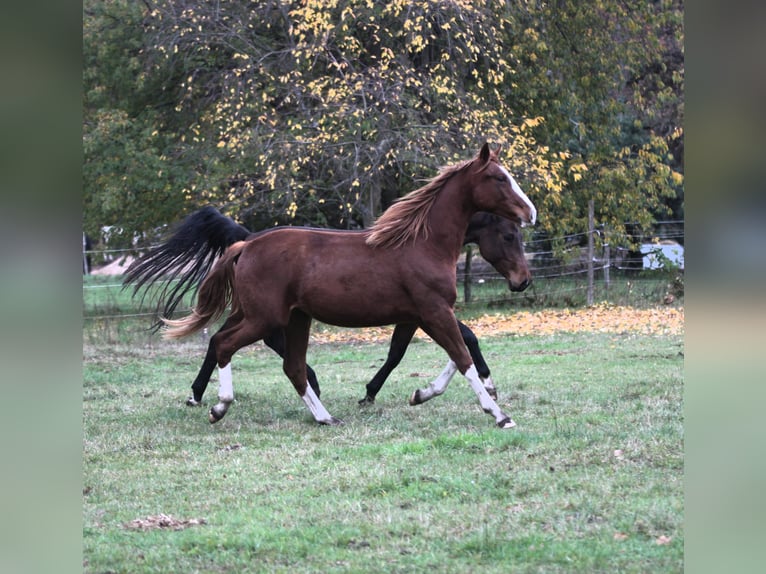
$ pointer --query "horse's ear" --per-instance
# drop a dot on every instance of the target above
(496, 153)
(484, 153)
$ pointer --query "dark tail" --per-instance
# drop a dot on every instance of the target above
(183, 260)
(215, 294)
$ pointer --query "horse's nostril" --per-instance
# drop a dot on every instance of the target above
(521, 286)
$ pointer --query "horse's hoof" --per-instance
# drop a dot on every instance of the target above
(216, 414)
(368, 400)
(415, 398)
(506, 423)
(191, 402)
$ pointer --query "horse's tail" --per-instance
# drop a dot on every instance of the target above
(183, 260)
(215, 294)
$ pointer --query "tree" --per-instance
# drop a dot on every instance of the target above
(130, 177)
(588, 69)
(323, 112)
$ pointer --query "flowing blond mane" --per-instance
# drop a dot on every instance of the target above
(407, 218)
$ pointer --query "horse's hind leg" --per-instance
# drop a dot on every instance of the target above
(203, 377)
(225, 394)
(294, 365)
(276, 342)
(206, 370)
(399, 342)
(235, 334)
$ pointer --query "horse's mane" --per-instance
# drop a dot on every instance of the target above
(407, 218)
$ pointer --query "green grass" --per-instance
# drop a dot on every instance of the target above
(635, 289)
(598, 452)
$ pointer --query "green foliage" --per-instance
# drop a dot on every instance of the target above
(324, 112)
(130, 183)
(130, 177)
(593, 72)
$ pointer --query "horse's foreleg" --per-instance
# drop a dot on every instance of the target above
(444, 330)
(437, 386)
(472, 342)
(487, 403)
(294, 365)
(399, 342)
(315, 406)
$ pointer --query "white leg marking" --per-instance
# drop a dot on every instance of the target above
(485, 400)
(490, 387)
(225, 385)
(317, 408)
(522, 195)
(438, 386)
(225, 394)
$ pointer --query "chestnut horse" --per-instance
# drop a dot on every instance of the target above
(189, 253)
(402, 270)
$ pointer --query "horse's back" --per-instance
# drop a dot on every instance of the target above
(334, 276)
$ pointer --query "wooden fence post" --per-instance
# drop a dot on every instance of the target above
(85, 262)
(591, 231)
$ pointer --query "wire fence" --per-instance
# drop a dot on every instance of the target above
(567, 278)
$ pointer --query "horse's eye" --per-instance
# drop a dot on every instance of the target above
(501, 178)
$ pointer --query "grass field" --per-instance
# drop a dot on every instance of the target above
(591, 480)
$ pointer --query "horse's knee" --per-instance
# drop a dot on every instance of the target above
(297, 376)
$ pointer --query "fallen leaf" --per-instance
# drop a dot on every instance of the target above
(620, 536)
(663, 539)
(603, 318)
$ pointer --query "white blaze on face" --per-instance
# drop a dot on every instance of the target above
(522, 195)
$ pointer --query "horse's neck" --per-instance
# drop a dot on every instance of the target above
(449, 218)
(473, 230)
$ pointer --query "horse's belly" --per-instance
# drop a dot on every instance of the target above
(359, 307)
(360, 313)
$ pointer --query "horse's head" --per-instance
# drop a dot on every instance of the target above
(494, 189)
(500, 243)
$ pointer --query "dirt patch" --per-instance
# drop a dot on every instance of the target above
(116, 267)
(163, 521)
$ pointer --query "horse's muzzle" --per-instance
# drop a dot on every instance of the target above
(520, 287)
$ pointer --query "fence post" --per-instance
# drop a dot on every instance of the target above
(607, 264)
(591, 231)
(85, 266)
(467, 275)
